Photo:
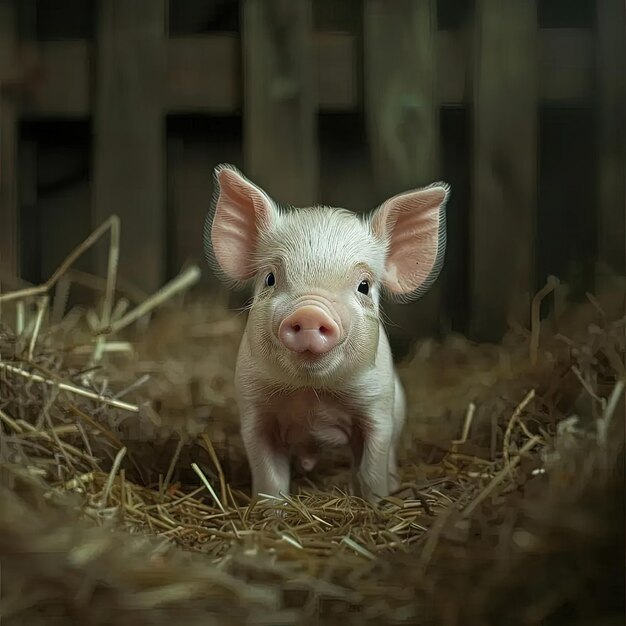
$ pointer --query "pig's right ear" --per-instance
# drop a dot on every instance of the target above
(239, 213)
(413, 226)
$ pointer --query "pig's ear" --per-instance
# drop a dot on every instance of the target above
(413, 224)
(240, 212)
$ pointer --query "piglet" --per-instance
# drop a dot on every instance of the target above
(314, 366)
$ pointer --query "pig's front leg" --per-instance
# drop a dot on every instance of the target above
(372, 455)
(267, 456)
(399, 418)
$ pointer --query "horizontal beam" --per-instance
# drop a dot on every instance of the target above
(204, 73)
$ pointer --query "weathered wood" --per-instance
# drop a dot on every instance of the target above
(400, 70)
(566, 66)
(129, 149)
(203, 74)
(9, 231)
(611, 116)
(505, 162)
(280, 122)
(63, 87)
(402, 117)
(336, 71)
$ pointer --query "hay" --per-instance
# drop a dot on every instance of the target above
(124, 492)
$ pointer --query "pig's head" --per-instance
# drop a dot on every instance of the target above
(318, 273)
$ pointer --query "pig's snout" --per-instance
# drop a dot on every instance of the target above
(309, 328)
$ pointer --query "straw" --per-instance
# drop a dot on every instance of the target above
(111, 505)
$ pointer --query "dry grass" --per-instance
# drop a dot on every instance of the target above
(124, 492)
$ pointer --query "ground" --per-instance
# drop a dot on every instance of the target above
(125, 491)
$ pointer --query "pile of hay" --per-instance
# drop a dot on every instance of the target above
(125, 486)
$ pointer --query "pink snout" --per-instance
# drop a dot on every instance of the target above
(309, 328)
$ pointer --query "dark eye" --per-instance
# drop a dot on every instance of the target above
(364, 287)
(270, 279)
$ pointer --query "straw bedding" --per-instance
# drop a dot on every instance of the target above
(125, 487)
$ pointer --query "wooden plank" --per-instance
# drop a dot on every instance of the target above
(129, 150)
(566, 76)
(204, 73)
(63, 87)
(610, 111)
(402, 118)
(9, 239)
(505, 162)
(336, 71)
(280, 123)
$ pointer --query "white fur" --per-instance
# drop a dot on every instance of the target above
(351, 396)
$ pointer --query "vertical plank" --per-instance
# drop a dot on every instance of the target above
(505, 162)
(9, 240)
(611, 112)
(402, 120)
(279, 117)
(129, 143)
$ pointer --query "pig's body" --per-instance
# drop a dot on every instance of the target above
(315, 366)
(305, 420)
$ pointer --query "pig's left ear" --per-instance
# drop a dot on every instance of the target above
(414, 226)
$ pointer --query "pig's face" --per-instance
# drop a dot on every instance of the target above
(318, 273)
(315, 312)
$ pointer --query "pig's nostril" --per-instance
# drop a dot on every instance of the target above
(323, 330)
(296, 327)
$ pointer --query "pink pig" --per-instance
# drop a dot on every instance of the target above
(314, 367)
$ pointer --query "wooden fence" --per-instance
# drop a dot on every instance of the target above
(394, 66)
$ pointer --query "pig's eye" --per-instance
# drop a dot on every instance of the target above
(270, 279)
(364, 287)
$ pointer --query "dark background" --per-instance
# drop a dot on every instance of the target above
(519, 107)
